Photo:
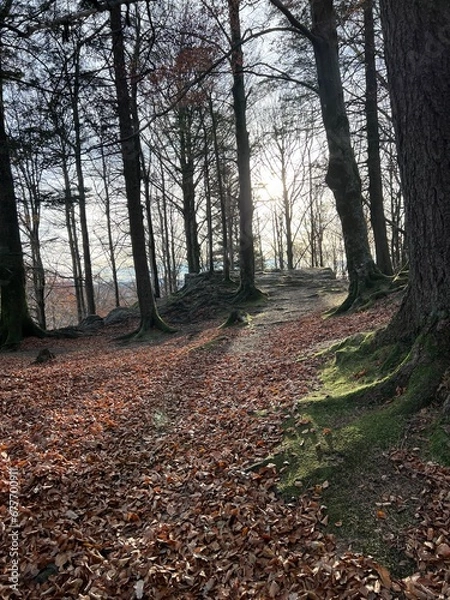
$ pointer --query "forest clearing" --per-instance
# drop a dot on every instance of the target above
(153, 470)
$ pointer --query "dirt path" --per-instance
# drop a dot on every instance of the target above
(291, 296)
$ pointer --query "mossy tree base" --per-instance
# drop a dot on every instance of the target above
(13, 334)
(249, 293)
(365, 289)
(147, 329)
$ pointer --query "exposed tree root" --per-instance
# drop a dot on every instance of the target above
(366, 290)
(146, 330)
(420, 369)
(248, 293)
(236, 317)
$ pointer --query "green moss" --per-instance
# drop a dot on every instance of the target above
(341, 436)
(439, 436)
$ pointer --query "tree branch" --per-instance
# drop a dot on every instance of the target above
(294, 21)
(76, 16)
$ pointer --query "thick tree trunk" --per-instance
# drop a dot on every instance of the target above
(15, 320)
(377, 216)
(343, 175)
(418, 59)
(246, 242)
(131, 169)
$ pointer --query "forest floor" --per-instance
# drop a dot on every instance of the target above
(207, 465)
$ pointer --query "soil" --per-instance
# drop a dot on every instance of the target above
(289, 295)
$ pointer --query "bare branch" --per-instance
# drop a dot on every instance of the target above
(294, 21)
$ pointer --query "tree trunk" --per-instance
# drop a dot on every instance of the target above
(88, 280)
(377, 216)
(69, 213)
(129, 145)
(222, 194)
(109, 228)
(246, 243)
(343, 175)
(287, 212)
(418, 59)
(209, 215)
(15, 320)
(188, 189)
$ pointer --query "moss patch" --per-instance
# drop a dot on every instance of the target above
(340, 439)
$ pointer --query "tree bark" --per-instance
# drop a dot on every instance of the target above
(129, 145)
(377, 215)
(222, 193)
(417, 48)
(343, 175)
(188, 189)
(247, 287)
(88, 279)
(15, 320)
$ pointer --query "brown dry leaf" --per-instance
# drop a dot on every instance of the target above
(134, 474)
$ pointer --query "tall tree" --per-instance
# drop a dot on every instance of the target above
(343, 175)
(417, 48)
(130, 151)
(246, 242)
(15, 320)
(377, 215)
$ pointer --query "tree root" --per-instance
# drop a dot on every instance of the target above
(366, 290)
(417, 376)
(249, 294)
(146, 330)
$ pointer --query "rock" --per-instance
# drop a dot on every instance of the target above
(121, 314)
(91, 323)
(45, 355)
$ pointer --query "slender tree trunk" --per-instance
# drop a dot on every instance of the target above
(287, 210)
(129, 145)
(151, 234)
(73, 242)
(15, 320)
(222, 195)
(111, 251)
(38, 275)
(246, 242)
(88, 279)
(418, 59)
(377, 216)
(209, 216)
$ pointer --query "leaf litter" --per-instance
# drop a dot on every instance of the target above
(135, 482)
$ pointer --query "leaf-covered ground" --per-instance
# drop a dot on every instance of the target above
(134, 479)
